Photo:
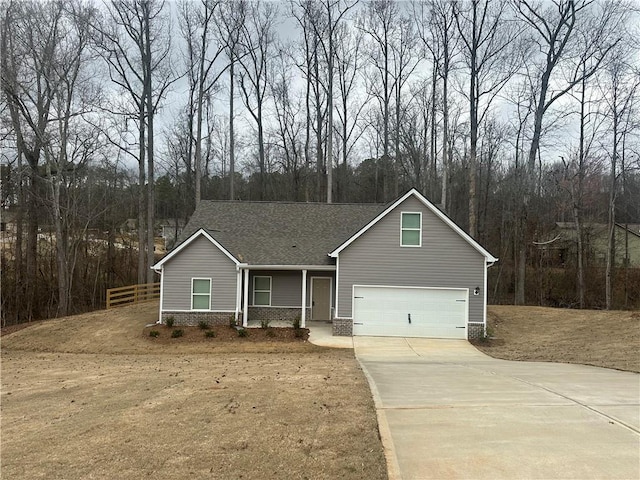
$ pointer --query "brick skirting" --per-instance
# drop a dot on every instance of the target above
(193, 318)
(274, 314)
(342, 327)
(475, 331)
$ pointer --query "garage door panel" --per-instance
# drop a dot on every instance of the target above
(386, 311)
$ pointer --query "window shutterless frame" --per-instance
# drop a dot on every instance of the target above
(411, 229)
(200, 294)
(261, 291)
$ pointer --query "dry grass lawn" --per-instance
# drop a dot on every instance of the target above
(592, 337)
(92, 396)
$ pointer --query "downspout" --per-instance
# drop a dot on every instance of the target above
(488, 265)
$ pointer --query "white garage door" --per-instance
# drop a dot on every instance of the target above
(410, 312)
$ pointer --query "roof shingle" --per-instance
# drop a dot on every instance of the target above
(280, 233)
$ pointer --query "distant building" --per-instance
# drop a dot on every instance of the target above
(563, 244)
(170, 230)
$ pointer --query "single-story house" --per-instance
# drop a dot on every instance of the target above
(401, 269)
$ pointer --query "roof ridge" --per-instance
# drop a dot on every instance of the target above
(287, 202)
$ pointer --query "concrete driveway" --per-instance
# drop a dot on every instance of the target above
(447, 411)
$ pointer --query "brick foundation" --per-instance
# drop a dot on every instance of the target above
(342, 327)
(475, 331)
(274, 314)
(193, 318)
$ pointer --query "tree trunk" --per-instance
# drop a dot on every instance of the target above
(612, 209)
(232, 139)
(151, 205)
(142, 204)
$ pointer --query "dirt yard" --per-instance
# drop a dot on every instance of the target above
(591, 337)
(93, 396)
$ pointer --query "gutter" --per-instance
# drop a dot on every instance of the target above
(246, 266)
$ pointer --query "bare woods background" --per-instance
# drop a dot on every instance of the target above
(519, 119)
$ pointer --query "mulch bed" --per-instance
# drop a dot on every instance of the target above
(226, 334)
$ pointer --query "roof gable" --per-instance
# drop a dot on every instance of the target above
(437, 212)
(197, 234)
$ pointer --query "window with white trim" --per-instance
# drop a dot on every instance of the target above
(200, 294)
(411, 229)
(262, 291)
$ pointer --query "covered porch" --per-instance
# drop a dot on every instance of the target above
(280, 295)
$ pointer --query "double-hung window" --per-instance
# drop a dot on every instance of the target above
(200, 294)
(262, 291)
(411, 229)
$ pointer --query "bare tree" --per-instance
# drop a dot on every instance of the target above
(232, 16)
(205, 48)
(289, 124)
(31, 37)
(404, 64)
(379, 23)
(488, 39)
(436, 26)
(620, 95)
(70, 146)
(348, 129)
(133, 38)
(255, 51)
(553, 32)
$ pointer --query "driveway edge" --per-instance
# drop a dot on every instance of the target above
(393, 468)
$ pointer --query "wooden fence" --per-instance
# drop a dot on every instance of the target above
(117, 297)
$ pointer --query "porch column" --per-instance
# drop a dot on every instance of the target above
(238, 293)
(245, 310)
(303, 318)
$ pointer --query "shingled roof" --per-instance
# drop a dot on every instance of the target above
(280, 233)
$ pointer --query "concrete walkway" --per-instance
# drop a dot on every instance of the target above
(448, 411)
(321, 333)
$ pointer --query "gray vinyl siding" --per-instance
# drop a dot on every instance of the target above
(444, 260)
(286, 286)
(200, 259)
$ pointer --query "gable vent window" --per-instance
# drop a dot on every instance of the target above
(201, 294)
(262, 291)
(411, 229)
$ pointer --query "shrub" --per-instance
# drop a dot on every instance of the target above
(203, 325)
(270, 333)
(232, 321)
(264, 323)
(210, 334)
(242, 332)
(299, 332)
(177, 333)
(169, 321)
(154, 333)
(296, 322)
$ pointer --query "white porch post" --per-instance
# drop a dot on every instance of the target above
(303, 318)
(238, 293)
(245, 311)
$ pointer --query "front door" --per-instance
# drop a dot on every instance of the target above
(320, 298)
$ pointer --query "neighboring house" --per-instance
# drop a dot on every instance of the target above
(595, 238)
(171, 230)
(402, 269)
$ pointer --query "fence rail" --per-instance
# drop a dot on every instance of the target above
(118, 297)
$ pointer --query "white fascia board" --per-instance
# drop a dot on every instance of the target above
(290, 267)
(188, 241)
(433, 209)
